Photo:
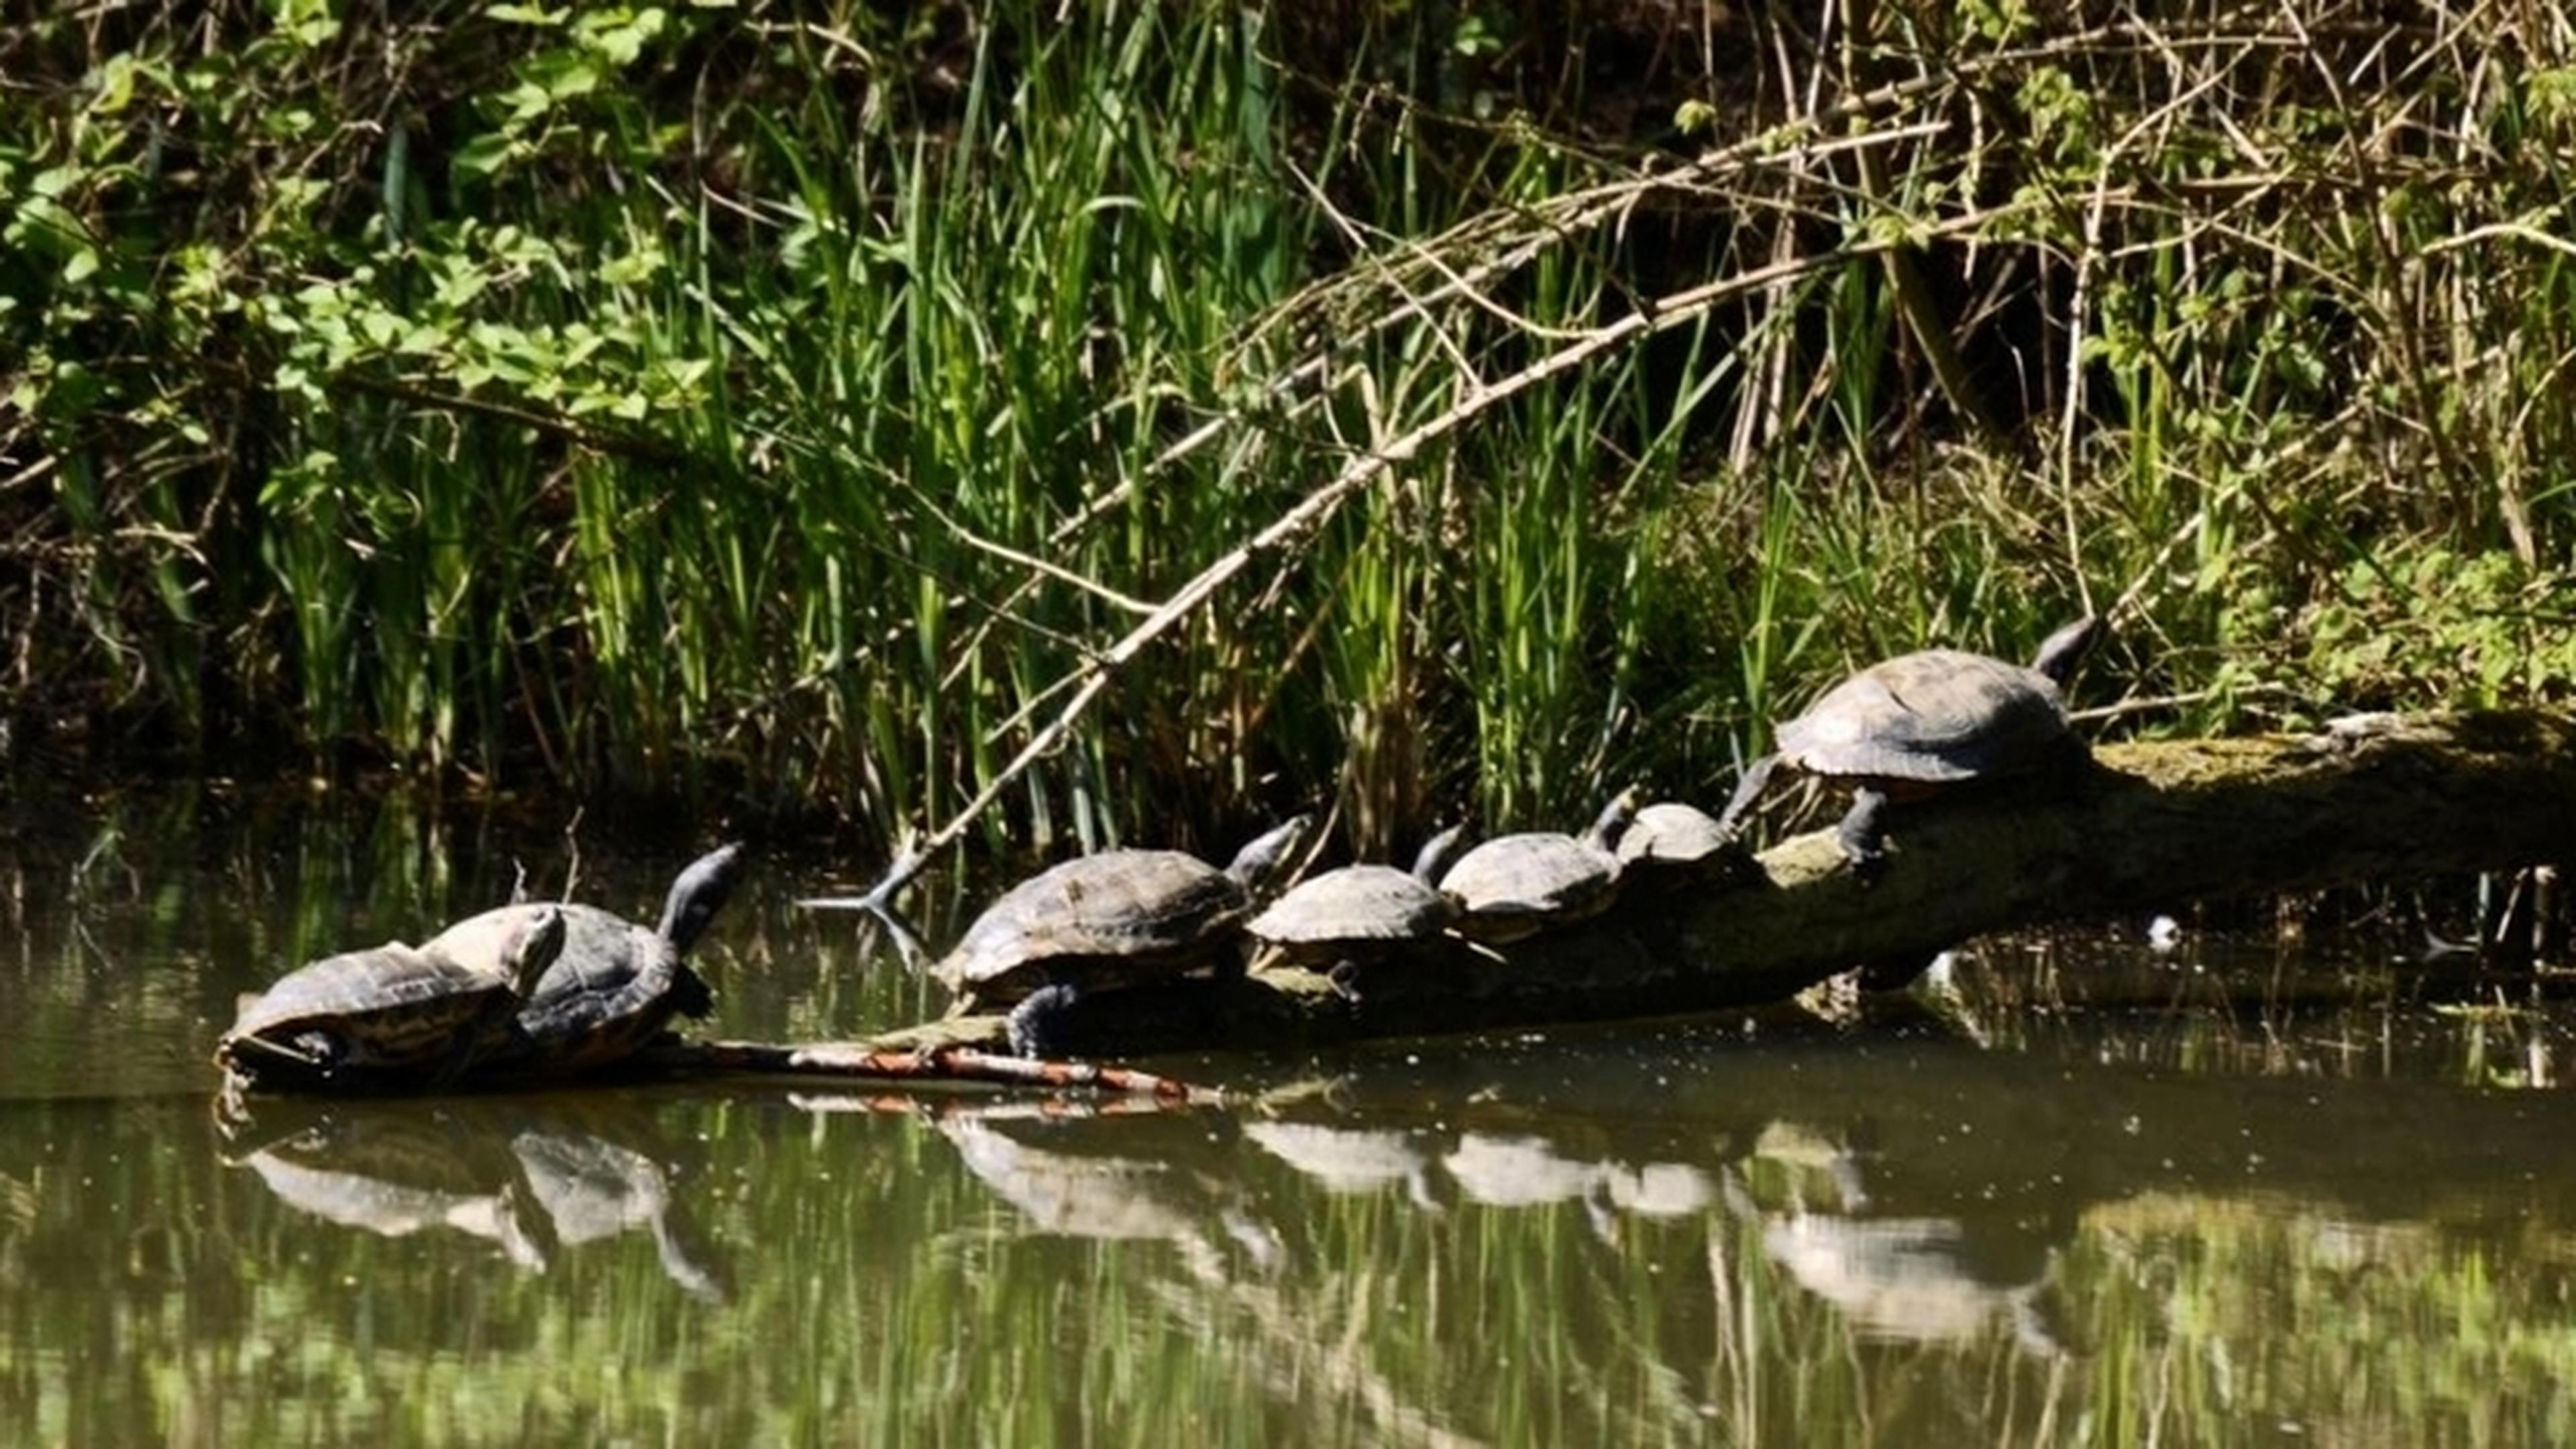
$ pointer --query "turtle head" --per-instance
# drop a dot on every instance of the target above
(533, 945)
(2060, 652)
(1259, 863)
(1439, 853)
(1613, 820)
(697, 893)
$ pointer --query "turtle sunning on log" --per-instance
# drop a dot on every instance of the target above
(1343, 920)
(617, 985)
(390, 1017)
(1118, 918)
(1517, 885)
(1910, 726)
(1672, 837)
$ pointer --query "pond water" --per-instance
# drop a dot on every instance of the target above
(2101, 1195)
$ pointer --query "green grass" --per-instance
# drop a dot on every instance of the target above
(789, 409)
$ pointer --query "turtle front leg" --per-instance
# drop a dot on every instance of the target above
(310, 1057)
(1035, 1026)
(1748, 789)
(1863, 833)
(459, 1059)
(1344, 978)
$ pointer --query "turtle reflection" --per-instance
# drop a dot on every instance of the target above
(1351, 1161)
(529, 1179)
(593, 1188)
(1488, 1169)
(1909, 1278)
(389, 1168)
(1918, 1279)
(1118, 1176)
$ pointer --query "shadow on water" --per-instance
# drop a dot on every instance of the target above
(2088, 1193)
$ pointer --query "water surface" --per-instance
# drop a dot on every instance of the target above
(2095, 1195)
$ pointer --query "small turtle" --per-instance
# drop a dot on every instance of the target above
(1517, 885)
(1358, 913)
(1910, 726)
(392, 1016)
(1672, 836)
(1118, 918)
(616, 986)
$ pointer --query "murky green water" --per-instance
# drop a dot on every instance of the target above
(2208, 1197)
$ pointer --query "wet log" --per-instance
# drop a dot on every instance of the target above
(2150, 827)
(927, 1066)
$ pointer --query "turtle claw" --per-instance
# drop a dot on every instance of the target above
(1035, 1025)
(1345, 979)
(1863, 833)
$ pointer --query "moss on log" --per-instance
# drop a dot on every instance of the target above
(2151, 826)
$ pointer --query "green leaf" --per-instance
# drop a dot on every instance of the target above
(484, 155)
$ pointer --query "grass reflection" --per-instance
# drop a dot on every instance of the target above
(752, 1268)
(2092, 1198)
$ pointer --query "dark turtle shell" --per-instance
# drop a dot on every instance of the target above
(1918, 723)
(1119, 918)
(1112, 919)
(1937, 716)
(388, 1017)
(1516, 885)
(616, 986)
(1355, 907)
(1669, 833)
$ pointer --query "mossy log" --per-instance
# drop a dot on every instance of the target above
(2149, 827)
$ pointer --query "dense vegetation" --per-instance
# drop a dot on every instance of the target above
(1447, 402)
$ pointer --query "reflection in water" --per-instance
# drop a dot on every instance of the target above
(530, 1179)
(592, 1188)
(1658, 1189)
(1525, 1171)
(391, 1173)
(1915, 1279)
(1084, 1175)
(1350, 1160)
(2199, 1196)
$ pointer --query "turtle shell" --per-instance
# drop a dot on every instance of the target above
(615, 987)
(1936, 716)
(1671, 834)
(390, 1016)
(1112, 919)
(1514, 885)
(1353, 907)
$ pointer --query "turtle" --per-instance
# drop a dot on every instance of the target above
(389, 1017)
(1118, 918)
(1910, 726)
(1670, 835)
(1358, 913)
(1517, 885)
(616, 986)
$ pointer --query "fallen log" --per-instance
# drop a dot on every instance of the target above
(859, 1062)
(2150, 827)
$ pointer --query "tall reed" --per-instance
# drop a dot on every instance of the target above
(797, 408)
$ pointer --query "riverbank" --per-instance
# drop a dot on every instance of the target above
(809, 414)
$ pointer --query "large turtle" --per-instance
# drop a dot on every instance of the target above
(390, 1017)
(616, 986)
(1118, 918)
(1344, 918)
(1517, 885)
(1909, 726)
